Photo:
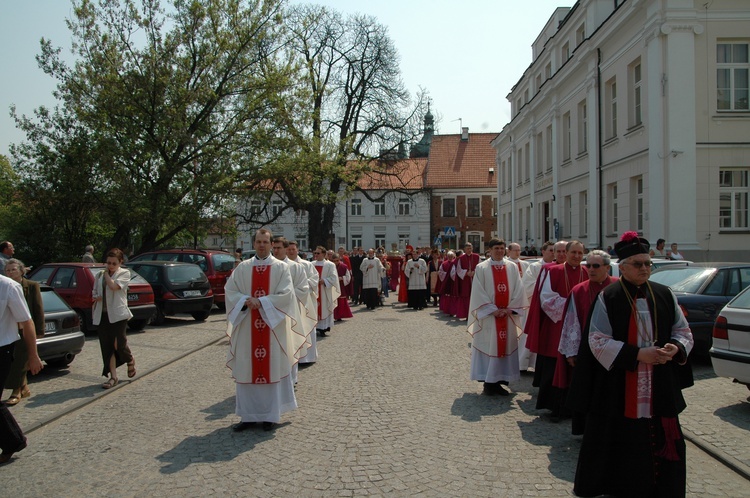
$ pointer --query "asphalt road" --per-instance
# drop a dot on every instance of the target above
(388, 410)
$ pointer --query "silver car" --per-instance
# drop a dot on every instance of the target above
(730, 353)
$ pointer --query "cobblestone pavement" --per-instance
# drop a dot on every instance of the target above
(388, 410)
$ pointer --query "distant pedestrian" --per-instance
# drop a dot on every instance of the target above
(673, 253)
(372, 278)
(416, 272)
(6, 252)
(342, 309)
(659, 251)
(88, 256)
(328, 290)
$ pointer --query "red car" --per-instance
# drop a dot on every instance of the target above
(217, 265)
(74, 283)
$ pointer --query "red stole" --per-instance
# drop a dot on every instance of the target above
(520, 268)
(562, 280)
(320, 288)
(502, 297)
(259, 329)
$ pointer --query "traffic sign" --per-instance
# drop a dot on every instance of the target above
(438, 241)
(449, 232)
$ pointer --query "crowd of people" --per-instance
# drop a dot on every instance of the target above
(608, 354)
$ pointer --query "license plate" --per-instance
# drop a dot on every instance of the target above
(133, 297)
(191, 293)
(50, 327)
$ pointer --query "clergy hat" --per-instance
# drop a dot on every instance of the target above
(631, 244)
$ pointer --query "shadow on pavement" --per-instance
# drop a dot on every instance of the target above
(563, 451)
(735, 414)
(471, 407)
(221, 445)
(59, 397)
(220, 410)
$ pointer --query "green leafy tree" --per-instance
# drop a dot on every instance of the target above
(167, 100)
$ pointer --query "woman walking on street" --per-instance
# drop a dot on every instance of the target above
(16, 380)
(111, 315)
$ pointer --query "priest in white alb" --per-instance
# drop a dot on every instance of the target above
(328, 290)
(310, 353)
(264, 331)
(302, 293)
(497, 304)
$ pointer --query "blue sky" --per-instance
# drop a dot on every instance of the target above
(468, 54)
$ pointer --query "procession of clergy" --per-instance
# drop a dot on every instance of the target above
(602, 359)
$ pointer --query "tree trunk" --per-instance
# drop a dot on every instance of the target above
(318, 229)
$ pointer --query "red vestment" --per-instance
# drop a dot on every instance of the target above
(545, 338)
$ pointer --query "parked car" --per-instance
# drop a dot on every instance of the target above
(217, 265)
(656, 264)
(63, 338)
(178, 288)
(75, 281)
(702, 291)
(730, 353)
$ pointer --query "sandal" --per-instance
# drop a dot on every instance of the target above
(112, 382)
(131, 368)
(25, 393)
(13, 400)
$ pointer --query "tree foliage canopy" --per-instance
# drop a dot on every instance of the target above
(169, 99)
(173, 114)
(349, 106)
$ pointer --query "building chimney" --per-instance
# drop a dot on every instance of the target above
(465, 133)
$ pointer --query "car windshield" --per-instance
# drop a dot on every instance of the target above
(742, 300)
(134, 277)
(688, 279)
(185, 273)
(52, 302)
(223, 262)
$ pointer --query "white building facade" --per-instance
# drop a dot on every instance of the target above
(633, 116)
(398, 219)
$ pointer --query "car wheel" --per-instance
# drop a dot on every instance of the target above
(60, 362)
(84, 325)
(158, 317)
(137, 324)
(201, 315)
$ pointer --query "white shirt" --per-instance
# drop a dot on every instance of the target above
(13, 310)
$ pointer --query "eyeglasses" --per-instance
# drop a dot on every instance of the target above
(639, 264)
(317, 252)
(595, 266)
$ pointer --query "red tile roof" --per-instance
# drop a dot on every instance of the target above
(454, 163)
(400, 174)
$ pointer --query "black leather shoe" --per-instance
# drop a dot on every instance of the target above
(268, 426)
(243, 426)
